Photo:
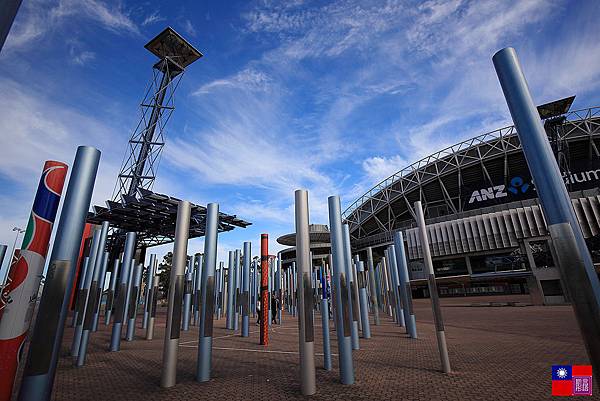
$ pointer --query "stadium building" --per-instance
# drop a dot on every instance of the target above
(486, 228)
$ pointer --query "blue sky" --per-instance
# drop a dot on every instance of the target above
(328, 96)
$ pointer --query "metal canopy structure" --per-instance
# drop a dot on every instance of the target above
(152, 216)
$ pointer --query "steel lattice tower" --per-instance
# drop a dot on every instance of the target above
(142, 157)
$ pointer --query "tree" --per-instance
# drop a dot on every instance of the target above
(164, 277)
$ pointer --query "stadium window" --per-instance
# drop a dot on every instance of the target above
(450, 267)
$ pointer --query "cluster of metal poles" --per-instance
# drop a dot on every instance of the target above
(342, 287)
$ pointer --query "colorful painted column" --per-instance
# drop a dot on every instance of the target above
(264, 289)
(19, 296)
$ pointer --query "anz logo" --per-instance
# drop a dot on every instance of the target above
(517, 186)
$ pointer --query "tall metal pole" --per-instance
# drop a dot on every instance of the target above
(203, 367)
(19, 296)
(343, 328)
(8, 12)
(409, 314)
(101, 283)
(393, 267)
(199, 261)
(152, 300)
(264, 289)
(122, 293)
(46, 339)
(574, 261)
(373, 286)
(149, 282)
(221, 276)
(364, 303)
(236, 296)
(435, 300)
(246, 288)
(230, 290)
(325, 321)
(352, 297)
(134, 301)
(93, 298)
(110, 297)
(187, 295)
(79, 291)
(85, 292)
(172, 332)
(3, 249)
(278, 288)
(305, 316)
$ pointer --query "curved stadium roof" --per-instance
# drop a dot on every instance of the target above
(445, 181)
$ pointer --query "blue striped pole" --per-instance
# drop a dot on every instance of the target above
(409, 314)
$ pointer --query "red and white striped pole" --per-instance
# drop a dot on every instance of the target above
(19, 296)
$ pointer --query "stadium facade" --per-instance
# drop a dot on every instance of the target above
(486, 228)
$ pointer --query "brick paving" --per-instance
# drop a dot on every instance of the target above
(497, 353)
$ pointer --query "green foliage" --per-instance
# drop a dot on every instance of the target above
(164, 277)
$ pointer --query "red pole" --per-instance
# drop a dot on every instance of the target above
(264, 289)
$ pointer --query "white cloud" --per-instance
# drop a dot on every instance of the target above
(247, 79)
(379, 168)
(152, 18)
(188, 28)
(39, 18)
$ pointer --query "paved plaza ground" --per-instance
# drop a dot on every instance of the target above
(497, 353)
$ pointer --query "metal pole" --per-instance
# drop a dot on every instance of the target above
(78, 301)
(93, 298)
(203, 367)
(122, 293)
(409, 314)
(236, 295)
(220, 276)
(171, 347)
(40, 367)
(152, 301)
(85, 292)
(364, 303)
(373, 285)
(325, 322)
(230, 291)
(340, 284)
(264, 289)
(305, 316)
(198, 286)
(574, 261)
(100, 291)
(19, 294)
(111, 292)
(134, 301)
(396, 286)
(187, 295)
(246, 288)
(352, 297)
(149, 281)
(391, 297)
(435, 300)
(279, 290)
